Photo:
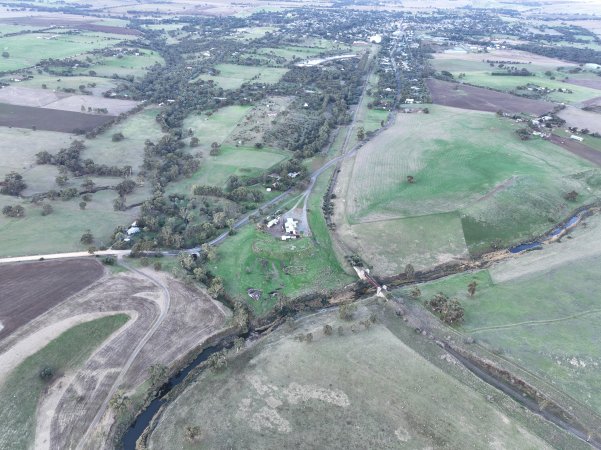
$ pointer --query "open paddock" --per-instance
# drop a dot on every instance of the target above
(49, 119)
(239, 161)
(96, 85)
(480, 99)
(31, 289)
(540, 310)
(577, 148)
(19, 146)
(505, 190)
(525, 58)
(232, 76)
(576, 117)
(49, 99)
(26, 50)
(361, 389)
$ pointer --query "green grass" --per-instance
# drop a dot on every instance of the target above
(20, 145)
(255, 259)
(239, 161)
(72, 82)
(28, 49)
(505, 189)
(541, 311)
(60, 231)
(130, 151)
(360, 390)
(124, 66)
(216, 127)
(232, 76)
(23, 387)
(422, 241)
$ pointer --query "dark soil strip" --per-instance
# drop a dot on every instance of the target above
(49, 119)
(577, 148)
(481, 99)
(31, 289)
(593, 84)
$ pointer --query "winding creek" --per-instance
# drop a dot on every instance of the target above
(145, 417)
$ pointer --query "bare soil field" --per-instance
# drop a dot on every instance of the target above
(577, 148)
(45, 98)
(576, 117)
(31, 289)
(167, 320)
(593, 83)
(480, 99)
(49, 119)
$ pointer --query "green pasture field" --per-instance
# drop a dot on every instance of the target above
(130, 151)
(19, 146)
(510, 83)
(541, 311)
(256, 259)
(239, 161)
(8, 29)
(232, 76)
(422, 241)
(23, 387)
(28, 49)
(60, 231)
(70, 82)
(216, 127)
(366, 389)
(252, 33)
(124, 66)
(506, 190)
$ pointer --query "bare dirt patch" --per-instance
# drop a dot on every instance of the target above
(577, 148)
(594, 84)
(30, 289)
(49, 119)
(578, 118)
(480, 99)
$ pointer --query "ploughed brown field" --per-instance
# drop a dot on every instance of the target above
(593, 84)
(480, 99)
(31, 289)
(577, 148)
(49, 119)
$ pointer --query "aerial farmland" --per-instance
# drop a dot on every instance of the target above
(326, 224)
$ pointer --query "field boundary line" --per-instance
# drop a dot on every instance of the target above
(536, 322)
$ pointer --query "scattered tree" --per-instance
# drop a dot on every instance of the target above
(327, 330)
(571, 196)
(117, 137)
(13, 211)
(13, 184)
(471, 288)
(347, 311)
(87, 238)
(46, 209)
(410, 179)
(82, 205)
(361, 134)
(409, 272)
